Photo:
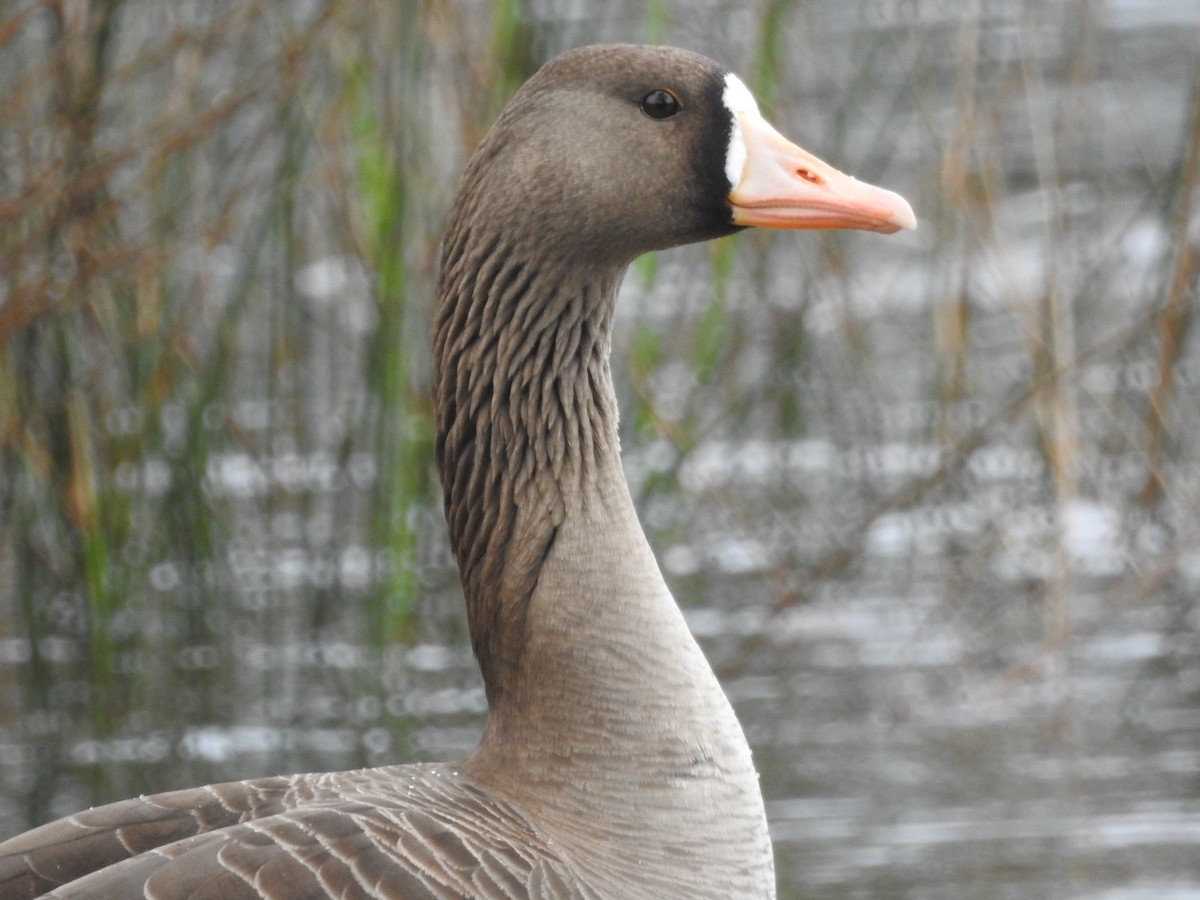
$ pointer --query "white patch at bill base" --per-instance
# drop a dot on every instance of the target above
(738, 100)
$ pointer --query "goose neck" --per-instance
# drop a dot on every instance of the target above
(526, 426)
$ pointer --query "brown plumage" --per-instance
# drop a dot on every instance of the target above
(612, 765)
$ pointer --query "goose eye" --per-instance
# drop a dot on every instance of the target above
(660, 104)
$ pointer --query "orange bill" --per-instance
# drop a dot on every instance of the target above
(784, 186)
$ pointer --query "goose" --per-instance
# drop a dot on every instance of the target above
(611, 764)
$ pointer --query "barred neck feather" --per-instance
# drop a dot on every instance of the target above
(525, 415)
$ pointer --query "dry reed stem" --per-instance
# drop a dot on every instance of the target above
(1177, 312)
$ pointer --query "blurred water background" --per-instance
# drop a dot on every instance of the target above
(931, 502)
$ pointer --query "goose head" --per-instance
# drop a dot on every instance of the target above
(610, 151)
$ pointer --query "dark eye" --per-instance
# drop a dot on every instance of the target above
(660, 104)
